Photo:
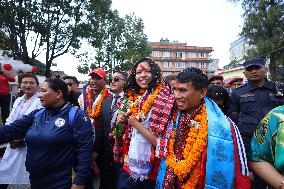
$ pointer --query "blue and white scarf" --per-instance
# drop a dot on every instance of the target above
(220, 163)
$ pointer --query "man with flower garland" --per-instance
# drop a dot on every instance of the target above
(205, 149)
(96, 101)
(103, 144)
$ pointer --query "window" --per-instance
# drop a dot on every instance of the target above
(192, 54)
(179, 54)
(166, 54)
(202, 65)
(190, 64)
(167, 64)
(156, 53)
(179, 64)
(202, 54)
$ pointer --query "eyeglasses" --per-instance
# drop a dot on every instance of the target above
(115, 79)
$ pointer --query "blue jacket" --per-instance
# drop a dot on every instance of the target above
(54, 146)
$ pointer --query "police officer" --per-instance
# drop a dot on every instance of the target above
(252, 101)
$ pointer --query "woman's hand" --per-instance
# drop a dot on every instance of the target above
(133, 121)
(75, 186)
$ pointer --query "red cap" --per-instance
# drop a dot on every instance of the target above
(236, 79)
(98, 71)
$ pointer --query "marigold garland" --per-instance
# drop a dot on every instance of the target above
(142, 112)
(96, 111)
(192, 153)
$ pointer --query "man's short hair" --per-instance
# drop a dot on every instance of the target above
(194, 75)
(24, 75)
(75, 80)
(216, 77)
(124, 74)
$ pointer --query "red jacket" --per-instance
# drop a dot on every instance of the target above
(4, 83)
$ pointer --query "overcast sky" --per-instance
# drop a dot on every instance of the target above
(210, 23)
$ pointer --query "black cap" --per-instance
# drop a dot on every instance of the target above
(254, 62)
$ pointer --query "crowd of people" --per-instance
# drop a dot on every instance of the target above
(143, 131)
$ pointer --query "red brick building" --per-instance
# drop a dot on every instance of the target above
(173, 57)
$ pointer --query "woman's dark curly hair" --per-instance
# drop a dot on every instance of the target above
(156, 77)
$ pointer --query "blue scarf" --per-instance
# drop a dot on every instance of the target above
(220, 164)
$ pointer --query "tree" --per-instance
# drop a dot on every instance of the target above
(264, 29)
(116, 41)
(66, 23)
(4, 42)
(16, 23)
(57, 27)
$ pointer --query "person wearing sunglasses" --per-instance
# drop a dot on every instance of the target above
(252, 101)
(103, 144)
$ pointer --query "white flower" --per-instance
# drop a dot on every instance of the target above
(194, 124)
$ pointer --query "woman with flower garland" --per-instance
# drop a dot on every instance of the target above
(205, 148)
(143, 126)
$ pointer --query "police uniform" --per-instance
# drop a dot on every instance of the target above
(253, 103)
(54, 146)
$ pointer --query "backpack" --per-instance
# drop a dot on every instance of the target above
(72, 114)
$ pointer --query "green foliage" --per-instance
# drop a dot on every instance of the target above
(264, 29)
(58, 27)
(16, 22)
(4, 42)
(54, 27)
(233, 64)
(116, 41)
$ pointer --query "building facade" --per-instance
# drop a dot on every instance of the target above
(238, 49)
(173, 57)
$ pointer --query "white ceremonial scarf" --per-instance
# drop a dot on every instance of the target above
(140, 153)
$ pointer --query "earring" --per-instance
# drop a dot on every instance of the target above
(57, 97)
